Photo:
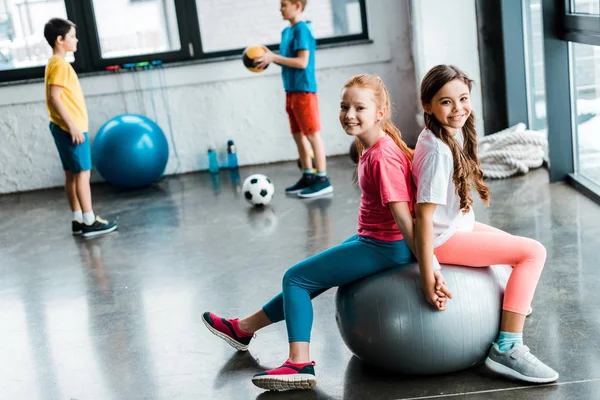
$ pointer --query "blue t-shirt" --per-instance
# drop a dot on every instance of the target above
(294, 38)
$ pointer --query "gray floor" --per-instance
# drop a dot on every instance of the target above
(118, 317)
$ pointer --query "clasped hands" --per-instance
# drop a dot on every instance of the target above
(436, 290)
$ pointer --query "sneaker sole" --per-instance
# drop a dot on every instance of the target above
(294, 191)
(98, 233)
(77, 233)
(504, 370)
(321, 192)
(232, 342)
(284, 382)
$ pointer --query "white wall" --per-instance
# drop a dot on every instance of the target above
(213, 102)
(216, 101)
(445, 32)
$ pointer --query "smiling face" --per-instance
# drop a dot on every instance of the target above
(360, 115)
(451, 105)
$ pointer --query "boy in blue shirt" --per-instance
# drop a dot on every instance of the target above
(297, 60)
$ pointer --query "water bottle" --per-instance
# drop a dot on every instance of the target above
(213, 162)
(216, 183)
(232, 161)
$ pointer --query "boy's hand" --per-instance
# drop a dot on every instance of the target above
(77, 135)
(264, 60)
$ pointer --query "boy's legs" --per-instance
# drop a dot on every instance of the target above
(321, 185)
(84, 192)
(92, 224)
(63, 143)
(77, 163)
(71, 191)
(318, 148)
(305, 108)
(302, 144)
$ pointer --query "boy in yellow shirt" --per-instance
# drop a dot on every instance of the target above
(69, 126)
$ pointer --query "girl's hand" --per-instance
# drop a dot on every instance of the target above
(441, 288)
(435, 290)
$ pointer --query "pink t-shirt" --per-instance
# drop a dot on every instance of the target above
(384, 177)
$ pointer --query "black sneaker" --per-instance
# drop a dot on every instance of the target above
(77, 228)
(99, 227)
(306, 181)
(320, 187)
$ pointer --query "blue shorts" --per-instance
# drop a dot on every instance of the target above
(74, 157)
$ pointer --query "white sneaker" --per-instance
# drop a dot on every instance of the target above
(519, 363)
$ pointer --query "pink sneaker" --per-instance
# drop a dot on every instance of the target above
(228, 330)
(288, 376)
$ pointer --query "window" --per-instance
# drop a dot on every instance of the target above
(573, 91)
(534, 48)
(585, 6)
(259, 21)
(127, 28)
(585, 61)
(121, 32)
(22, 42)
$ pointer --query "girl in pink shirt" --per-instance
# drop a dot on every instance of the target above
(384, 240)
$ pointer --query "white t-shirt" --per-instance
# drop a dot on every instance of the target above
(432, 171)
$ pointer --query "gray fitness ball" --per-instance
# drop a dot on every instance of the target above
(385, 321)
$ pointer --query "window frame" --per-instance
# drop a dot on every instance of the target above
(29, 73)
(100, 63)
(563, 28)
(579, 28)
(88, 58)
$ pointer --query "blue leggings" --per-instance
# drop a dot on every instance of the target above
(353, 259)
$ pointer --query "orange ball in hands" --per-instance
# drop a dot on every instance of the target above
(250, 54)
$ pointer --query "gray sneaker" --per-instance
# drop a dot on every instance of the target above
(519, 363)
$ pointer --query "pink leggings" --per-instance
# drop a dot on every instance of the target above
(486, 246)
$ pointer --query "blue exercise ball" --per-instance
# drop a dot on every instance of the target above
(130, 151)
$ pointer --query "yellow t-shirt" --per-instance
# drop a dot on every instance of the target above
(60, 73)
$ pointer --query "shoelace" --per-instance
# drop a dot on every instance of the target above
(103, 221)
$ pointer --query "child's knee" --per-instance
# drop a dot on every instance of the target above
(289, 278)
(314, 137)
(536, 251)
(297, 276)
(81, 174)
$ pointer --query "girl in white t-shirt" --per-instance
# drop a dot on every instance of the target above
(445, 168)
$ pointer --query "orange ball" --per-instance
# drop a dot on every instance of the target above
(252, 52)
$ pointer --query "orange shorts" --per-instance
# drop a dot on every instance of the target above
(303, 111)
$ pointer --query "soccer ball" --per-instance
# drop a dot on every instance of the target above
(258, 190)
